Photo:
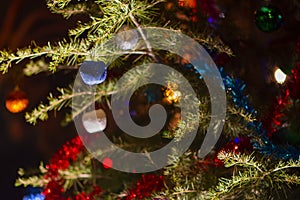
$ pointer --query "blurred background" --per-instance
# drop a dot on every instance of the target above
(21, 144)
(256, 56)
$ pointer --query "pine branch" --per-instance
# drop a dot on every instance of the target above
(254, 179)
(34, 181)
(232, 159)
(58, 4)
(213, 43)
(41, 112)
(66, 9)
(114, 14)
(65, 100)
(67, 53)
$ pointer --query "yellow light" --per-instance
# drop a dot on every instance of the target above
(172, 95)
(279, 76)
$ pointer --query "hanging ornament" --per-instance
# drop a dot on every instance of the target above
(192, 4)
(34, 194)
(127, 38)
(92, 72)
(16, 101)
(188, 3)
(34, 197)
(94, 121)
(171, 94)
(268, 18)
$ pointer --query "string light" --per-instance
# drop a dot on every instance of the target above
(280, 76)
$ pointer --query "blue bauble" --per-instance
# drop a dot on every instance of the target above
(92, 72)
(34, 197)
(34, 193)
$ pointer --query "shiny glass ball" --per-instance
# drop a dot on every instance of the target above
(268, 18)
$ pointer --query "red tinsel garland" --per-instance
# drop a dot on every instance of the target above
(61, 161)
(290, 93)
(148, 184)
(68, 153)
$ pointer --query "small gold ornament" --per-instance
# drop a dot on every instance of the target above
(171, 94)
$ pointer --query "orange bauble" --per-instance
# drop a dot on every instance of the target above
(16, 101)
(188, 3)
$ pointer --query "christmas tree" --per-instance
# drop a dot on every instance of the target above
(154, 108)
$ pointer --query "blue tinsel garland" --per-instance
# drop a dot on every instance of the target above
(260, 141)
(236, 88)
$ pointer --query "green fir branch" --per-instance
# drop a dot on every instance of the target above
(114, 14)
(25, 179)
(66, 52)
(55, 103)
(65, 100)
(34, 181)
(56, 5)
(66, 9)
(254, 179)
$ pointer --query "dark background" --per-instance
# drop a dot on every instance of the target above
(21, 21)
(21, 144)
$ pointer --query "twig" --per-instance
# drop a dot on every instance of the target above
(143, 36)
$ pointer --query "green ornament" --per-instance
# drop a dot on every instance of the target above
(268, 18)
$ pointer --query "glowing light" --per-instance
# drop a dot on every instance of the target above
(172, 95)
(279, 76)
(107, 163)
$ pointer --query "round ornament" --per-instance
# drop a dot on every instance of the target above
(93, 73)
(127, 38)
(268, 18)
(94, 121)
(16, 101)
(34, 197)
